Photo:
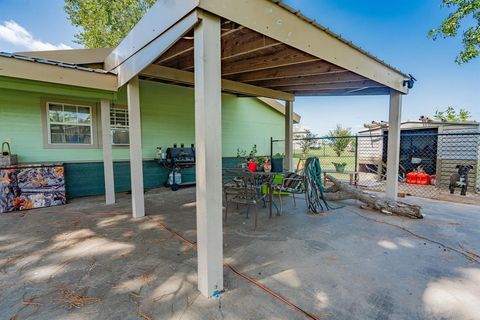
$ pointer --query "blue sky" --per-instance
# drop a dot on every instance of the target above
(396, 31)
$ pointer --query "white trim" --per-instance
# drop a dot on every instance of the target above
(119, 127)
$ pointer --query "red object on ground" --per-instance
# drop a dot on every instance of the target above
(252, 166)
(412, 177)
(423, 178)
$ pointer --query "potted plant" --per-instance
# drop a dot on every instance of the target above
(252, 160)
(242, 158)
(340, 166)
(277, 163)
(267, 165)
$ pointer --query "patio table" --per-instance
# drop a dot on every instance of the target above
(262, 178)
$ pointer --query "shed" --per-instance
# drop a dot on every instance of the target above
(441, 146)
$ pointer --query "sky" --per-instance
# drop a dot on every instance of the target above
(395, 31)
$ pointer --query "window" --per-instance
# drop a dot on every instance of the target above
(119, 126)
(69, 124)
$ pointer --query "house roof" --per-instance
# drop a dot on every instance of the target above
(50, 62)
(72, 56)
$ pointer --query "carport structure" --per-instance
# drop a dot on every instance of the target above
(256, 48)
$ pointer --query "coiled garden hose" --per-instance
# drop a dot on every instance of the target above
(314, 188)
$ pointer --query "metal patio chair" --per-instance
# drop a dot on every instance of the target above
(242, 187)
(292, 184)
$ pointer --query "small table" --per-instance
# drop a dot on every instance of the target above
(353, 176)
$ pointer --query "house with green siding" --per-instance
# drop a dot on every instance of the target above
(36, 119)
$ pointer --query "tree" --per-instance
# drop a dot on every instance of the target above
(465, 10)
(341, 138)
(450, 115)
(307, 142)
(104, 23)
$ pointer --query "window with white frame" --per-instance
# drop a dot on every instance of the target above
(69, 124)
(119, 126)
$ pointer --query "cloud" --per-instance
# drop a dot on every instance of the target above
(17, 35)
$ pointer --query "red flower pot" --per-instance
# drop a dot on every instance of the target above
(252, 166)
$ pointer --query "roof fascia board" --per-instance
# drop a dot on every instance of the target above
(22, 69)
(186, 77)
(274, 104)
(149, 53)
(73, 56)
(278, 23)
(159, 18)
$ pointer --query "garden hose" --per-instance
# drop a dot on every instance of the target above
(314, 188)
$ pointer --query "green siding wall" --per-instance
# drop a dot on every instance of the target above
(167, 113)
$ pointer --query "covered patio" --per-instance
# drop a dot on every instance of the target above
(249, 48)
(87, 261)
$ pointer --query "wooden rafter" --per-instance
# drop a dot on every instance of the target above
(351, 85)
(304, 69)
(345, 92)
(187, 78)
(282, 57)
(236, 43)
(315, 79)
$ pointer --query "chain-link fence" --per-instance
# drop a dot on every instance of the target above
(430, 163)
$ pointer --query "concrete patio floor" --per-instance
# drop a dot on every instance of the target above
(86, 260)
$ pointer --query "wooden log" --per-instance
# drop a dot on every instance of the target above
(343, 191)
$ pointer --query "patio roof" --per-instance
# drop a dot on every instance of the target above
(266, 47)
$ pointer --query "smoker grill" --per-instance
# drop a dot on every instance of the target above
(176, 160)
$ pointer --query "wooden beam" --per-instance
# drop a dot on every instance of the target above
(136, 158)
(315, 79)
(208, 149)
(107, 152)
(185, 77)
(344, 92)
(148, 54)
(16, 68)
(276, 22)
(281, 58)
(351, 85)
(157, 20)
(393, 149)
(304, 69)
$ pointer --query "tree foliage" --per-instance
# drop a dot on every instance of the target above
(341, 139)
(450, 115)
(307, 142)
(465, 10)
(104, 23)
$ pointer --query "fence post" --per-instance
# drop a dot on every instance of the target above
(356, 153)
(271, 148)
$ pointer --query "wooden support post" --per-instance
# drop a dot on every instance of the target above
(289, 135)
(107, 152)
(393, 150)
(208, 139)
(136, 158)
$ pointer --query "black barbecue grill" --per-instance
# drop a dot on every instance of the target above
(176, 160)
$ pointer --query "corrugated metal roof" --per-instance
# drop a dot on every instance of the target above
(52, 63)
(336, 36)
